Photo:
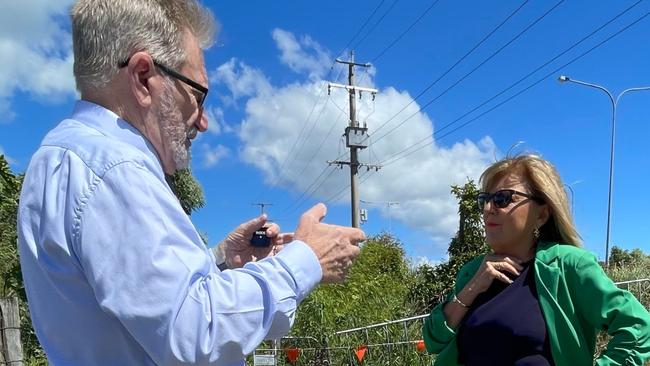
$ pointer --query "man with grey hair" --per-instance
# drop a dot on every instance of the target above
(115, 272)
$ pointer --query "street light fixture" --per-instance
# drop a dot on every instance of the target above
(614, 101)
(388, 204)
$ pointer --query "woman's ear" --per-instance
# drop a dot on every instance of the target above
(543, 215)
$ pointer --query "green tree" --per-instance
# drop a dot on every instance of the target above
(620, 257)
(11, 279)
(187, 190)
(10, 275)
(431, 284)
(375, 291)
(626, 265)
(375, 285)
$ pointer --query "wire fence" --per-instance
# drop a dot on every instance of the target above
(396, 342)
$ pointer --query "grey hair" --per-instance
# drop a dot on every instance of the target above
(107, 32)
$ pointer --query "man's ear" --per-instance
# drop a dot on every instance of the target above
(140, 71)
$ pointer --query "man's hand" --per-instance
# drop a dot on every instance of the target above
(238, 248)
(335, 246)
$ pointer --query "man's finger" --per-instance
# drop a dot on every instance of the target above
(355, 235)
(273, 230)
(286, 238)
(317, 212)
(277, 249)
(254, 224)
(283, 238)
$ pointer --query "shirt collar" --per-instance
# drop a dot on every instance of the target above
(110, 124)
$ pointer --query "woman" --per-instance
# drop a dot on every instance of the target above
(538, 299)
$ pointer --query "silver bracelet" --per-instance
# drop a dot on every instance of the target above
(456, 300)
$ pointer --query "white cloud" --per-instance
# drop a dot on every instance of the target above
(212, 155)
(303, 55)
(307, 125)
(35, 52)
(241, 80)
(217, 122)
(421, 182)
(416, 262)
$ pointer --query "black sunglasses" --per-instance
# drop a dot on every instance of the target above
(503, 198)
(196, 86)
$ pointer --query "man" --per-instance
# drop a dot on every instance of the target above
(115, 272)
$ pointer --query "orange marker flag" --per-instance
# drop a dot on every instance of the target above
(292, 354)
(361, 352)
(419, 345)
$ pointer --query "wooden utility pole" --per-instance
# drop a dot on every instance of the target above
(11, 352)
(356, 137)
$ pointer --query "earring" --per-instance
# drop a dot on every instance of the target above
(536, 233)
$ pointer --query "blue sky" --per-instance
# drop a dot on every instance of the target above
(273, 126)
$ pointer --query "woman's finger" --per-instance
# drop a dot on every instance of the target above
(500, 276)
(506, 267)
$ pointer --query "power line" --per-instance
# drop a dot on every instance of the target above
(356, 45)
(404, 32)
(518, 81)
(283, 165)
(317, 100)
(311, 130)
(361, 28)
(307, 193)
(355, 136)
(477, 45)
(394, 156)
(336, 195)
(541, 66)
(322, 143)
(388, 204)
(291, 154)
(295, 202)
(472, 71)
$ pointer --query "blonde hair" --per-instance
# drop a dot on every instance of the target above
(545, 183)
(107, 32)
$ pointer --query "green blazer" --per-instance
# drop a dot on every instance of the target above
(577, 300)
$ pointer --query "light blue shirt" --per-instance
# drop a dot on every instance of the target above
(115, 272)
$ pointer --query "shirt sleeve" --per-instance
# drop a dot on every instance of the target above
(437, 334)
(605, 306)
(148, 267)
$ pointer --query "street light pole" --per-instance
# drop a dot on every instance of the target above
(614, 102)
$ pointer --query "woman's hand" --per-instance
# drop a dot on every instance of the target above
(493, 267)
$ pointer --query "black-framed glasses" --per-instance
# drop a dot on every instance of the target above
(502, 198)
(200, 98)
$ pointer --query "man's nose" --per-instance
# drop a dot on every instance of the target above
(201, 121)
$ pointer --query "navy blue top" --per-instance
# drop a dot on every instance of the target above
(505, 326)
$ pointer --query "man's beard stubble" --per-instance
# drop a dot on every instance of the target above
(173, 127)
